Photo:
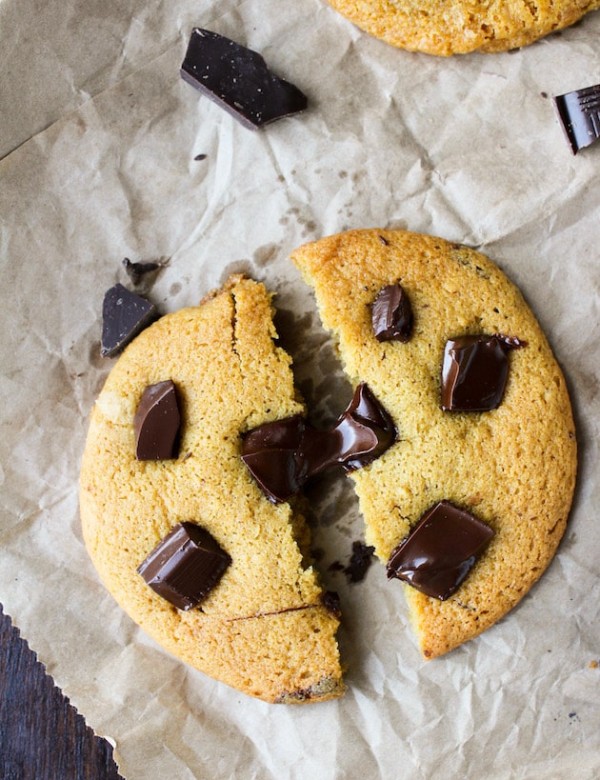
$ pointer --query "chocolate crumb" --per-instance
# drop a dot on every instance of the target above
(200, 157)
(384, 240)
(360, 560)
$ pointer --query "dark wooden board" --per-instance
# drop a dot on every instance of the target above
(42, 737)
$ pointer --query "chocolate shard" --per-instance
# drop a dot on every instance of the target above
(124, 315)
(391, 314)
(474, 372)
(438, 554)
(137, 271)
(157, 422)
(185, 566)
(239, 80)
(579, 113)
(284, 454)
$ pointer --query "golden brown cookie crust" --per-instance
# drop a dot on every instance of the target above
(513, 467)
(263, 629)
(446, 27)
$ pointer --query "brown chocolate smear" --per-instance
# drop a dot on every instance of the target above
(284, 454)
(124, 315)
(157, 422)
(185, 566)
(474, 372)
(239, 80)
(391, 314)
(438, 554)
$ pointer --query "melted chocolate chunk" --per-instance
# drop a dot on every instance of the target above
(579, 113)
(185, 566)
(124, 315)
(284, 454)
(474, 372)
(364, 432)
(440, 551)
(157, 422)
(391, 314)
(239, 80)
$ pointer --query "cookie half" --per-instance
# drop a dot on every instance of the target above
(513, 467)
(446, 27)
(263, 628)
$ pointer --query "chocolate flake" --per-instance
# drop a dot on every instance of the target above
(391, 314)
(137, 271)
(239, 80)
(157, 422)
(579, 113)
(124, 315)
(474, 372)
(185, 566)
(284, 454)
(199, 157)
(438, 554)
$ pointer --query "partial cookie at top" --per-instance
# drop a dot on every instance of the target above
(263, 627)
(513, 467)
(446, 27)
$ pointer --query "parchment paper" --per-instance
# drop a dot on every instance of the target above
(467, 148)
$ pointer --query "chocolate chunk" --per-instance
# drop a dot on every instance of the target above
(474, 372)
(270, 452)
(364, 432)
(440, 551)
(124, 315)
(156, 423)
(137, 271)
(360, 560)
(391, 314)
(238, 79)
(579, 113)
(284, 454)
(185, 566)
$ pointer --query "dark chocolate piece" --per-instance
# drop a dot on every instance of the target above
(185, 566)
(238, 79)
(360, 560)
(124, 315)
(474, 372)
(364, 432)
(269, 451)
(579, 113)
(284, 454)
(331, 601)
(137, 271)
(440, 551)
(156, 423)
(391, 314)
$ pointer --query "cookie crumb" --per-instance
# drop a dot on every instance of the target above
(593, 665)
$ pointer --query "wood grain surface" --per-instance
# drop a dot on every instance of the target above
(42, 737)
